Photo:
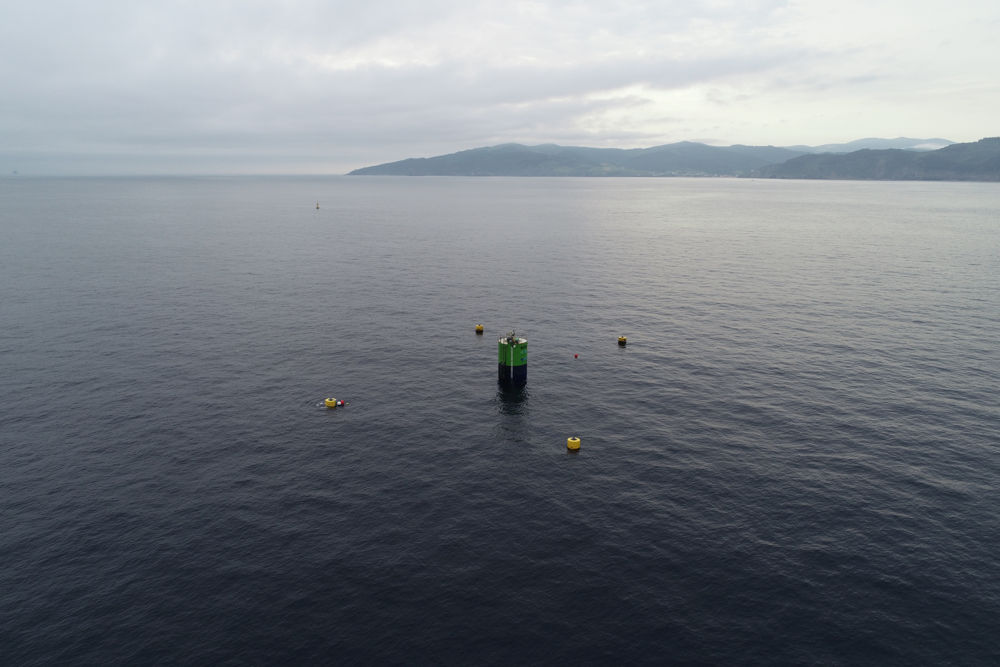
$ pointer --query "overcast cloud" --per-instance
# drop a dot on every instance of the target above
(305, 86)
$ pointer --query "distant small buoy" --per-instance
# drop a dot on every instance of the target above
(332, 402)
(573, 443)
(622, 340)
(317, 206)
(576, 356)
(479, 328)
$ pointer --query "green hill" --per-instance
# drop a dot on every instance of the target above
(680, 159)
(978, 161)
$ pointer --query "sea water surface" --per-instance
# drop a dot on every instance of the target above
(794, 460)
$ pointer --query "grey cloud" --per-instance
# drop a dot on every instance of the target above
(223, 79)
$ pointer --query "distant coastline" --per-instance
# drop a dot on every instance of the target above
(865, 159)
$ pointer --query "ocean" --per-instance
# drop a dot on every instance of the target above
(794, 460)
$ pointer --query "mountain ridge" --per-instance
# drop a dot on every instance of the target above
(678, 159)
(974, 161)
(954, 161)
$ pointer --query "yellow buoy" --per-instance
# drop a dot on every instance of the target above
(622, 340)
(573, 443)
(479, 328)
(331, 402)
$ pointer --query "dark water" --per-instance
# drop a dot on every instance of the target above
(794, 460)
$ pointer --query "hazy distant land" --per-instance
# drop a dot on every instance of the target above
(865, 159)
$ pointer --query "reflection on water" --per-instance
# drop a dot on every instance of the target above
(512, 400)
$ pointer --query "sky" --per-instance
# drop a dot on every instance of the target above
(326, 86)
